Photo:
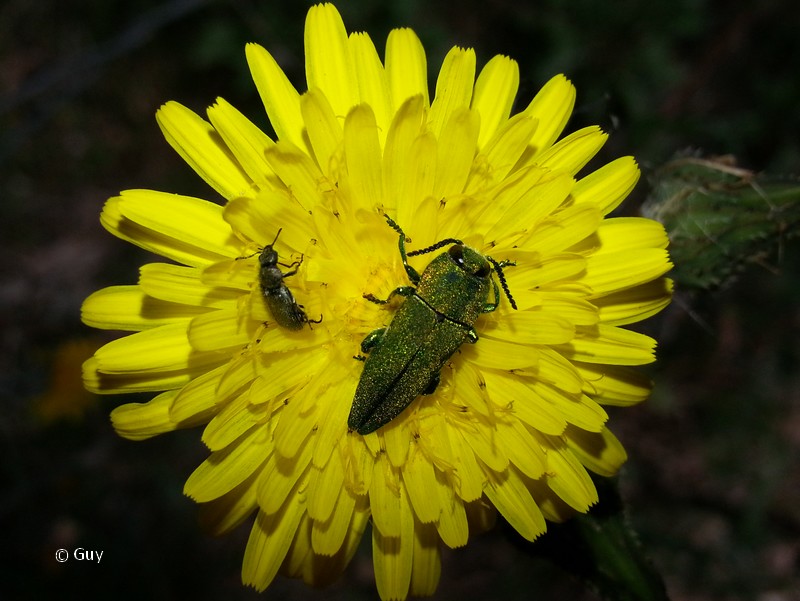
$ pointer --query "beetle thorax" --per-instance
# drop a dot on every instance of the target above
(456, 289)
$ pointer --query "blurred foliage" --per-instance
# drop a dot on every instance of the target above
(720, 217)
(713, 483)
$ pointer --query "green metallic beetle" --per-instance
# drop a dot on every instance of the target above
(284, 309)
(436, 318)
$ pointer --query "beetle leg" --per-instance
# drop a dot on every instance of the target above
(296, 266)
(401, 243)
(489, 307)
(402, 291)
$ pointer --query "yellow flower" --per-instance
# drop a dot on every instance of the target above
(517, 417)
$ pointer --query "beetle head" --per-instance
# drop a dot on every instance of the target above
(268, 257)
(470, 261)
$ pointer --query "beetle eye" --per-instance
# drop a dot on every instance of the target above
(456, 253)
(483, 271)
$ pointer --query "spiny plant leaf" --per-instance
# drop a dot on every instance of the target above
(720, 217)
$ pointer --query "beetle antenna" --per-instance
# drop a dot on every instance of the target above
(433, 247)
(498, 268)
(394, 226)
(276, 236)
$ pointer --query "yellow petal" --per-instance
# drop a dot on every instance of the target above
(406, 67)
(231, 422)
(328, 538)
(504, 149)
(419, 480)
(601, 451)
(128, 308)
(421, 175)
(228, 468)
(574, 151)
(569, 480)
(226, 513)
(297, 171)
(494, 95)
(516, 393)
(635, 304)
(189, 223)
(611, 272)
(373, 85)
(569, 227)
(139, 421)
(552, 107)
(280, 98)
(611, 385)
(608, 186)
(610, 344)
(393, 556)
(471, 478)
(522, 449)
(453, 87)
(324, 129)
(328, 61)
(363, 152)
(198, 398)
(524, 200)
(178, 284)
(98, 381)
(630, 233)
(259, 220)
(200, 146)
(404, 130)
(178, 249)
(220, 330)
(280, 478)
(534, 327)
(508, 493)
(385, 499)
(499, 353)
(159, 349)
(457, 147)
(323, 491)
(534, 272)
(452, 525)
(246, 141)
(269, 541)
(579, 410)
(427, 565)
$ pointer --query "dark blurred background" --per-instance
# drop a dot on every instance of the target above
(713, 480)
